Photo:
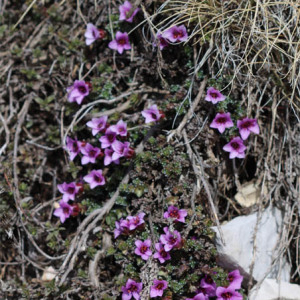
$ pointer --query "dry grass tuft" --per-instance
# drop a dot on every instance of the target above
(248, 39)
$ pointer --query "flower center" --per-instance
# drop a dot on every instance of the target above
(177, 34)
(95, 33)
(160, 286)
(100, 125)
(230, 278)
(226, 295)
(65, 210)
(92, 153)
(153, 116)
(214, 95)
(122, 41)
(172, 240)
(129, 13)
(136, 220)
(133, 288)
(235, 145)
(82, 89)
(75, 147)
(70, 190)
(163, 253)
(111, 137)
(246, 124)
(143, 249)
(209, 280)
(174, 214)
(97, 178)
(221, 120)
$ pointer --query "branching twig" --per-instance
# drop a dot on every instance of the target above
(191, 111)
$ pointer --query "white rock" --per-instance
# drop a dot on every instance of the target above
(249, 194)
(49, 274)
(238, 251)
(273, 290)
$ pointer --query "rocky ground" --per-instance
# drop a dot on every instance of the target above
(242, 213)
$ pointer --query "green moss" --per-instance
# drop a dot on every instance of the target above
(111, 251)
(177, 286)
(90, 205)
(83, 274)
(219, 276)
(30, 74)
(104, 68)
(3, 28)
(152, 140)
(137, 187)
(130, 271)
(37, 52)
(44, 103)
(121, 201)
(73, 169)
(171, 168)
(174, 88)
(91, 252)
(102, 88)
(53, 134)
(122, 246)
(192, 278)
(17, 51)
(75, 45)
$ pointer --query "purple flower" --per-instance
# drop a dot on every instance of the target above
(208, 286)
(108, 157)
(176, 34)
(158, 287)
(69, 190)
(90, 154)
(97, 124)
(227, 293)
(120, 128)
(170, 240)
(152, 114)
(162, 42)
(120, 43)
(91, 34)
(136, 221)
(246, 126)
(94, 178)
(175, 213)
(214, 96)
(78, 91)
(236, 148)
(235, 279)
(132, 289)
(64, 211)
(198, 297)
(122, 226)
(73, 147)
(221, 121)
(143, 249)
(161, 254)
(108, 139)
(121, 149)
(126, 12)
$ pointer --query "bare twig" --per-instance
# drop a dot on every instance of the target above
(199, 172)
(191, 111)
